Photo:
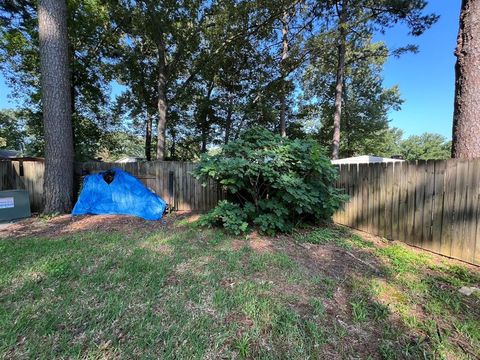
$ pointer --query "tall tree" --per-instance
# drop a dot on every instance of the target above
(91, 35)
(466, 115)
(369, 16)
(365, 101)
(56, 105)
(283, 70)
(342, 14)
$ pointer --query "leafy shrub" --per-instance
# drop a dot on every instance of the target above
(229, 215)
(272, 182)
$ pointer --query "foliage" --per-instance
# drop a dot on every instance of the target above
(275, 181)
(223, 69)
(390, 142)
(426, 146)
(228, 215)
(366, 102)
(92, 35)
(12, 133)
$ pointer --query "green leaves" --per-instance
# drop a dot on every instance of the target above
(228, 215)
(272, 182)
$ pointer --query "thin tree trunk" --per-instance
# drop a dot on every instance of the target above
(341, 53)
(204, 118)
(173, 151)
(283, 105)
(240, 127)
(349, 151)
(466, 116)
(228, 124)
(148, 137)
(162, 102)
(204, 140)
(56, 105)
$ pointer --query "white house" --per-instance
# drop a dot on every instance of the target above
(365, 159)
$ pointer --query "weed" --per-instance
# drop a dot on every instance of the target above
(359, 310)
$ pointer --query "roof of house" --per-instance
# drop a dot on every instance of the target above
(130, 159)
(365, 159)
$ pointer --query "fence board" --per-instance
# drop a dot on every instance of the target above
(459, 209)
(429, 181)
(396, 173)
(438, 206)
(434, 205)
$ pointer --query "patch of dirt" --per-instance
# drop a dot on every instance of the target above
(68, 224)
(238, 244)
(259, 243)
(255, 241)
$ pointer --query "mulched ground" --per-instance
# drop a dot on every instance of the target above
(68, 224)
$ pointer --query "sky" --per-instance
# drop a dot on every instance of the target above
(426, 79)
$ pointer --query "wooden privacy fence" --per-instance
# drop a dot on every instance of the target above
(434, 205)
(26, 175)
(171, 180)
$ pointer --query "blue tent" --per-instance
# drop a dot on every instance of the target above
(117, 192)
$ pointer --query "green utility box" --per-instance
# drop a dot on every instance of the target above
(14, 204)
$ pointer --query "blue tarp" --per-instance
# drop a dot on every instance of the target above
(125, 195)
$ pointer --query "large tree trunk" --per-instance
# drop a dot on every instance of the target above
(466, 116)
(341, 53)
(56, 105)
(162, 102)
(283, 95)
(148, 137)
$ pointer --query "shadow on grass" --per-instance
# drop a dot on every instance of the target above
(196, 293)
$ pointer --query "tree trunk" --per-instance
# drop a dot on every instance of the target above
(205, 126)
(349, 151)
(56, 105)
(162, 102)
(204, 140)
(466, 115)
(341, 52)
(283, 105)
(173, 151)
(73, 92)
(148, 137)
(228, 124)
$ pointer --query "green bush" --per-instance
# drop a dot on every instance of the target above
(272, 182)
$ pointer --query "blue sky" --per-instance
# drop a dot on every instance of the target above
(426, 79)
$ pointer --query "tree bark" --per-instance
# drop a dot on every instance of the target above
(162, 102)
(148, 137)
(228, 124)
(205, 126)
(341, 53)
(283, 100)
(466, 115)
(56, 105)
(173, 149)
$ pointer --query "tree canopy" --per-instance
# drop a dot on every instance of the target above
(174, 79)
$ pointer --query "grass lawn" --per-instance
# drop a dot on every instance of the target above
(180, 292)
